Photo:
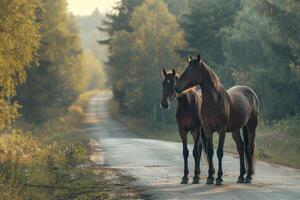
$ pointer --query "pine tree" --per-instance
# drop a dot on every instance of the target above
(119, 19)
(286, 17)
(202, 25)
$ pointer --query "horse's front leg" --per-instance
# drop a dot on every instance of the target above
(210, 154)
(220, 153)
(183, 136)
(197, 154)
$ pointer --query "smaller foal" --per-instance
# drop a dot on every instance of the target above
(188, 119)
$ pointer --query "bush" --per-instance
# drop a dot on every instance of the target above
(289, 126)
(46, 159)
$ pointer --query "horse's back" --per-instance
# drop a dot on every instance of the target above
(244, 93)
(189, 109)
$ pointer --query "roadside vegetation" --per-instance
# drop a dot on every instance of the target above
(54, 161)
(46, 82)
(42, 162)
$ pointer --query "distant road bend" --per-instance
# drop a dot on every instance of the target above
(158, 165)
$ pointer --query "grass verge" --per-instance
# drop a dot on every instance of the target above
(54, 161)
(276, 142)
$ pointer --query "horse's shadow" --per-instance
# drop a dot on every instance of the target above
(203, 191)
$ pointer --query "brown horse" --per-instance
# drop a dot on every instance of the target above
(188, 119)
(223, 111)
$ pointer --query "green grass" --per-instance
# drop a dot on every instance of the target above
(276, 142)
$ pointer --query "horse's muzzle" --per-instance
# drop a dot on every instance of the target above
(164, 105)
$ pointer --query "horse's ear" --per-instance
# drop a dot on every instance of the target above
(174, 72)
(201, 64)
(164, 73)
(189, 58)
(198, 58)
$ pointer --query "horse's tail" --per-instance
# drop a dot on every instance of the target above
(204, 144)
(246, 144)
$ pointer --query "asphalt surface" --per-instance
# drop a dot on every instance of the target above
(158, 165)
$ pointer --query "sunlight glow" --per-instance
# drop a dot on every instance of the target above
(86, 7)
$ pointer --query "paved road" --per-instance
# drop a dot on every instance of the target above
(157, 165)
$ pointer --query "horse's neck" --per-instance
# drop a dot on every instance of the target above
(213, 94)
(210, 95)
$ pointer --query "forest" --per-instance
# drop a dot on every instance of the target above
(254, 43)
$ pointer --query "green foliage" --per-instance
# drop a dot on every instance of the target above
(19, 42)
(138, 56)
(202, 24)
(260, 49)
(278, 141)
(47, 162)
(286, 16)
(41, 61)
(60, 75)
(177, 7)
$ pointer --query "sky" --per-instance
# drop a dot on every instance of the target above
(86, 7)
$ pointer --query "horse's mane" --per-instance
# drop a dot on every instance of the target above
(189, 89)
(213, 77)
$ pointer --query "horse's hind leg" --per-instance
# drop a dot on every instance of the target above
(183, 136)
(251, 128)
(220, 153)
(197, 154)
(240, 147)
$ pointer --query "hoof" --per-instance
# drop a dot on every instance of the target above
(196, 180)
(210, 181)
(219, 181)
(184, 180)
(241, 179)
(248, 180)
